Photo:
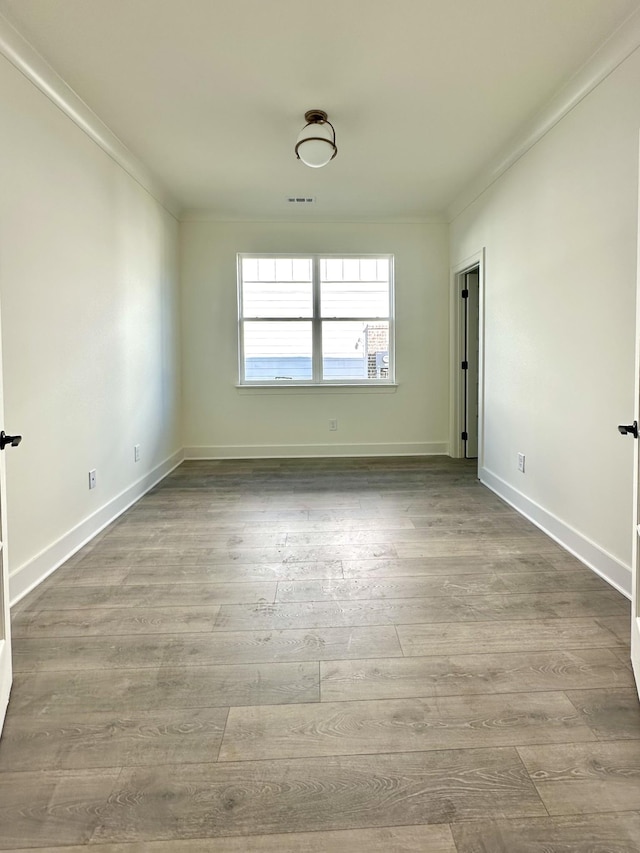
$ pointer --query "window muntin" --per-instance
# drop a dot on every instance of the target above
(315, 319)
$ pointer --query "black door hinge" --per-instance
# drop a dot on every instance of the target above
(465, 293)
(464, 436)
(465, 365)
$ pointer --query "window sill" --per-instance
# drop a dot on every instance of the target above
(386, 388)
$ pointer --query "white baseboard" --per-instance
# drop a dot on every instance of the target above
(301, 451)
(30, 574)
(593, 556)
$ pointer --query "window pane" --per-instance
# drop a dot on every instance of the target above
(351, 269)
(250, 269)
(277, 299)
(302, 269)
(383, 269)
(369, 269)
(355, 350)
(275, 350)
(355, 299)
(331, 269)
(284, 269)
(276, 269)
(266, 269)
(277, 287)
(358, 291)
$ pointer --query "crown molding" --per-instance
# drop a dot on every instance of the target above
(609, 56)
(23, 56)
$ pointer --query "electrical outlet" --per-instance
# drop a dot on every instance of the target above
(92, 478)
(521, 462)
(136, 452)
(333, 425)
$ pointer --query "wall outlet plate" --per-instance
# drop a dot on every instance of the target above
(92, 478)
(333, 425)
(521, 462)
(136, 452)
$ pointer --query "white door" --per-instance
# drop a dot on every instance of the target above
(5, 625)
(5, 634)
(632, 429)
(635, 559)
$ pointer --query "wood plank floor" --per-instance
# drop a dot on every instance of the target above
(322, 656)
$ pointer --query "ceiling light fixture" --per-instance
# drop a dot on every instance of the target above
(316, 144)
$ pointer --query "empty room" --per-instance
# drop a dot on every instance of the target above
(319, 404)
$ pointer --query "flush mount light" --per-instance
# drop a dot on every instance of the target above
(316, 144)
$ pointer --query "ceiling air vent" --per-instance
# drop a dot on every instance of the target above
(301, 199)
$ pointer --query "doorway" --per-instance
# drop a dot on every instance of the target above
(470, 295)
(467, 334)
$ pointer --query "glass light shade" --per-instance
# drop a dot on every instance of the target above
(315, 144)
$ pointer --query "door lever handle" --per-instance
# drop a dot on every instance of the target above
(13, 440)
(629, 429)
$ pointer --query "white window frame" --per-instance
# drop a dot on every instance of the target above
(316, 324)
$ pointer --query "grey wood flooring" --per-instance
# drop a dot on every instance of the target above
(322, 656)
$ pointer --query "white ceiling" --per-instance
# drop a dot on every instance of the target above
(211, 94)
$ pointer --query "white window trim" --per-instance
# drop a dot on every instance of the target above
(316, 321)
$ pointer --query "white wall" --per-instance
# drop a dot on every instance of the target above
(559, 229)
(90, 329)
(222, 420)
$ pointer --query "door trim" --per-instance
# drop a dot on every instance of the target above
(456, 385)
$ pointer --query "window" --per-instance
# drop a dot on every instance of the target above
(315, 320)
